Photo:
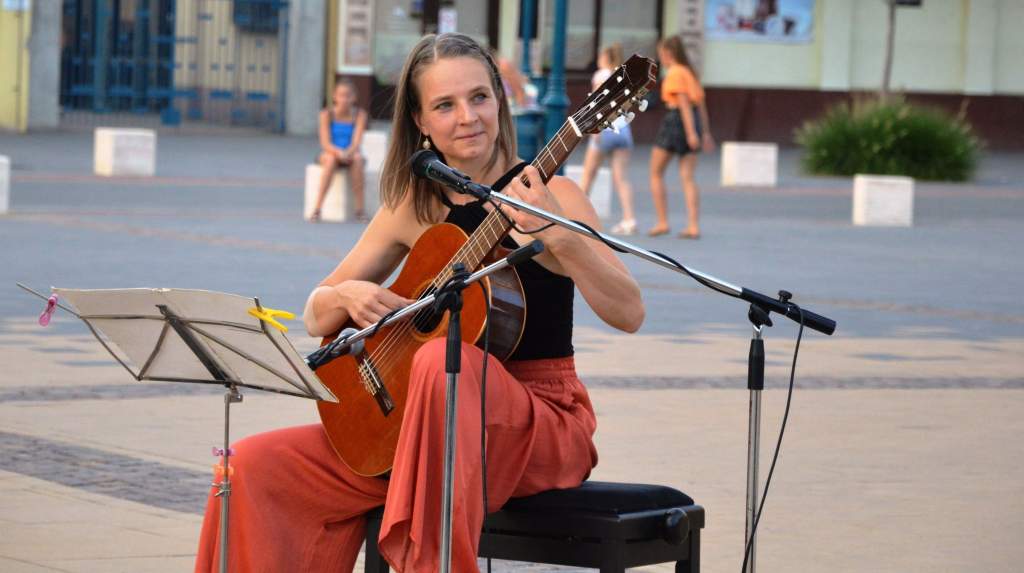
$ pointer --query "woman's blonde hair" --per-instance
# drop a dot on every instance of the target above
(614, 54)
(397, 178)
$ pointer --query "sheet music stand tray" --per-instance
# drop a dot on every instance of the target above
(200, 337)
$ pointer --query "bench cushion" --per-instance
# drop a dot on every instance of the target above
(602, 498)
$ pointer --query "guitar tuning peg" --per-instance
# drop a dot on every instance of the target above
(629, 117)
(642, 106)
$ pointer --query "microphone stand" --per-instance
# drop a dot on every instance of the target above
(760, 308)
(448, 297)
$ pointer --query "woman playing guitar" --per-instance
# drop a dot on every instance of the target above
(295, 505)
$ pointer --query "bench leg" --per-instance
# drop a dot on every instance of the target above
(373, 562)
(691, 565)
(611, 557)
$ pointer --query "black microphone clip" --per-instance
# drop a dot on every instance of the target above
(426, 165)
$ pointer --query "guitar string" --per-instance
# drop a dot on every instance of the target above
(475, 248)
(398, 338)
(490, 233)
(381, 354)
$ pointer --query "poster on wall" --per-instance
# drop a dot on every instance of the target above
(357, 21)
(774, 21)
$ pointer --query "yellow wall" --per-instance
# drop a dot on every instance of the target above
(761, 64)
(14, 28)
(1009, 53)
(928, 53)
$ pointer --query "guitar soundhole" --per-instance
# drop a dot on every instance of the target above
(427, 320)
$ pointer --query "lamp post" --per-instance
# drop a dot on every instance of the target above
(555, 101)
(529, 16)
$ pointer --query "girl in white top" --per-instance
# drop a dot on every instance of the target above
(616, 142)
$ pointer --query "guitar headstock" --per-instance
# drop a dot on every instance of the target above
(626, 87)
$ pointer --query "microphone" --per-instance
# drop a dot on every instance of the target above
(525, 253)
(426, 165)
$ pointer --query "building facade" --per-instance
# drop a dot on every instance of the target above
(161, 63)
(767, 65)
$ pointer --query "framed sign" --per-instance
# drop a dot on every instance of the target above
(774, 21)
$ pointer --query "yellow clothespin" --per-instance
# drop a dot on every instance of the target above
(270, 316)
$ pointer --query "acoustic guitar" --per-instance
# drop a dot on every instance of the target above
(371, 387)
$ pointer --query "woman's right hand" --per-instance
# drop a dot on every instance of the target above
(367, 302)
(693, 141)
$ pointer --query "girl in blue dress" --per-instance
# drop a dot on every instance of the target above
(341, 132)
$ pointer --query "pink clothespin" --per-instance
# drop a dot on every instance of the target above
(218, 452)
(51, 306)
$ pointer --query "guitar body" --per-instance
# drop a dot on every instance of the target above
(363, 435)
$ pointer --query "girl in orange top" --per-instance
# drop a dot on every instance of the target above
(684, 131)
(295, 505)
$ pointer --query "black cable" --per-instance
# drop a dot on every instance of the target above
(778, 444)
(483, 402)
(501, 212)
(595, 235)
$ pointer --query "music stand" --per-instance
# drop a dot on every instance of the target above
(200, 337)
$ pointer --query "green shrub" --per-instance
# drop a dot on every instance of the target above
(893, 138)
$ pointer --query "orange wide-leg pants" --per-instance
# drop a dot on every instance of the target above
(295, 506)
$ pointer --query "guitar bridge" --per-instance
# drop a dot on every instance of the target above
(375, 386)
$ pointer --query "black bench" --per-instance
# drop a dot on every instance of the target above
(609, 526)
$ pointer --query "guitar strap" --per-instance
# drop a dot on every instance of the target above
(507, 177)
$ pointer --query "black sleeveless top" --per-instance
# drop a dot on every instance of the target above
(549, 296)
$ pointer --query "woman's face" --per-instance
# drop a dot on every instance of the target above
(343, 96)
(602, 60)
(458, 109)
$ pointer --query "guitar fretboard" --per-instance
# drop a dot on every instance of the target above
(495, 226)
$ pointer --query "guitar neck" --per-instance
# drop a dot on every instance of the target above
(495, 226)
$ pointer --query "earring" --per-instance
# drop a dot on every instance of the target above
(426, 142)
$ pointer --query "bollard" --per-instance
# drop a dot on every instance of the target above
(883, 200)
(5, 184)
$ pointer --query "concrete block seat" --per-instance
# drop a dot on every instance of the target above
(124, 151)
(749, 164)
(338, 205)
(883, 200)
(609, 526)
(5, 183)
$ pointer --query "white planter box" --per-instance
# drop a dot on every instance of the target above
(5, 184)
(337, 207)
(375, 148)
(118, 151)
(600, 190)
(338, 204)
(749, 164)
(883, 200)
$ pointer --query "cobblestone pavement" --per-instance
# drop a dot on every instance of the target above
(918, 394)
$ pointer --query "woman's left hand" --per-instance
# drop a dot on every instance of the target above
(538, 195)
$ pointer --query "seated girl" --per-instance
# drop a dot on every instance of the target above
(341, 132)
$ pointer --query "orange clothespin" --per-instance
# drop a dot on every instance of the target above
(218, 471)
(218, 468)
